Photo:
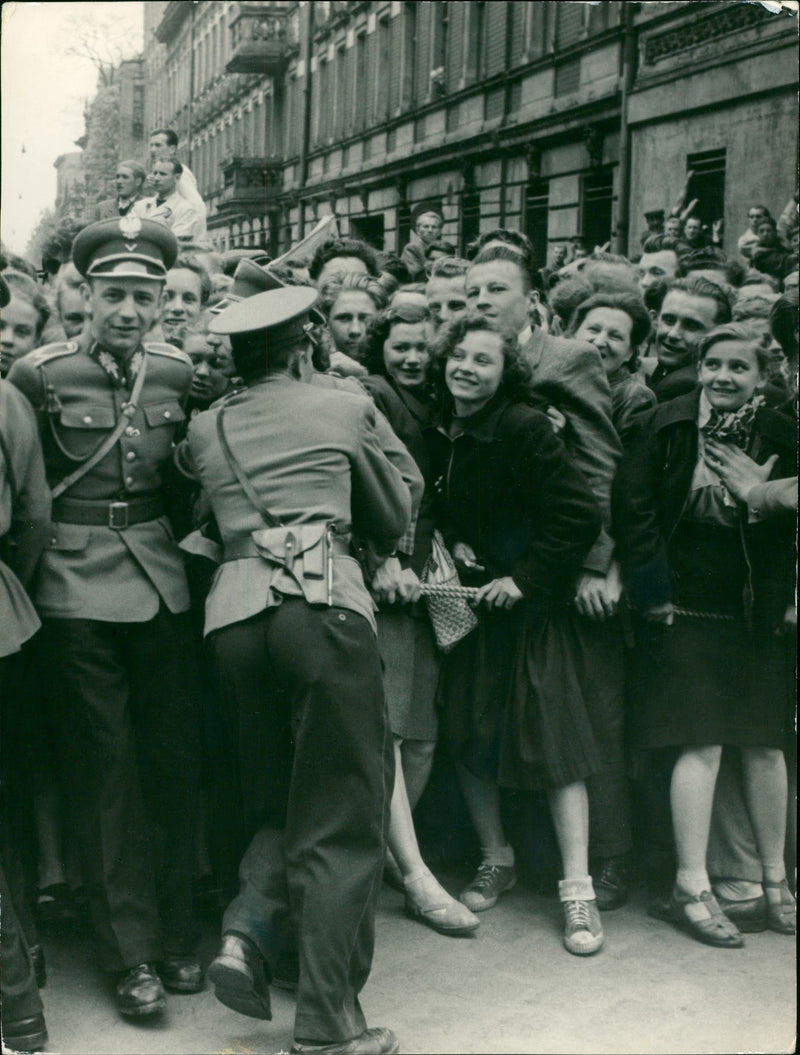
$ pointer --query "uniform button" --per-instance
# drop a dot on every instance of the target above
(342, 617)
(130, 431)
(167, 414)
(131, 456)
(87, 420)
(128, 480)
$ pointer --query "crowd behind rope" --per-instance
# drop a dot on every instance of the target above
(608, 451)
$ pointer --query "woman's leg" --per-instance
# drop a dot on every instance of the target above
(417, 758)
(765, 790)
(569, 807)
(691, 797)
(583, 931)
(426, 898)
(496, 872)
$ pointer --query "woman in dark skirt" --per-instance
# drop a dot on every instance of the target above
(711, 590)
(520, 520)
(397, 355)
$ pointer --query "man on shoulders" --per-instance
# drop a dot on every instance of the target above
(164, 144)
(129, 184)
(185, 219)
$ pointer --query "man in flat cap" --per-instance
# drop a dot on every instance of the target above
(293, 471)
(427, 221)
(112, 594)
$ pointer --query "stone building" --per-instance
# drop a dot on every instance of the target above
(563, 119)
(70, 185)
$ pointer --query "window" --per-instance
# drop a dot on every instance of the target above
(537, 200)
(597, 200)
(476, 40)
(470, 217)
(369, 229)
(382, 70)
(412, 53)
(360, 87)
(439, 24)
(708, 184)
(569, 24)
(340, 79)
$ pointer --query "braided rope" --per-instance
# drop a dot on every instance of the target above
(704, 615)
(435, 589)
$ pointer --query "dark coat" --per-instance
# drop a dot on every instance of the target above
(668, 384)
(507, 488)
(651, 490)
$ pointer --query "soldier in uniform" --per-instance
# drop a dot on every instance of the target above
(292, 471)
(112, 594)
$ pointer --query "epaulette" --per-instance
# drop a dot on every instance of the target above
(48, 352)
(167, 350)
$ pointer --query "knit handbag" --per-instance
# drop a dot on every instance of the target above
(451, 616)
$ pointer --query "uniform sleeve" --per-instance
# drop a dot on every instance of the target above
(636, 520)
(31, 505)
(26, 378)
(381, 498)
(564, 516)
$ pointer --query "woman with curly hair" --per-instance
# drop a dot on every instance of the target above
(520, 520)
(348, 301)
(618, 325)
(22, 320)
(397, 355)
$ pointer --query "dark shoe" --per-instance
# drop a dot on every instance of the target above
(240, 977)
(25, 1034)
(377, 1041)
(611, 884)
(39, 965)
(489, 883)
(140, 992)
(181, 974)
(750, 916)
(701, 916)
(781, 907)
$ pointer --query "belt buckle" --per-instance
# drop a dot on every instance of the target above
(118, 515)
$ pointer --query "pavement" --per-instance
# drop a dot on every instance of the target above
(510, 988)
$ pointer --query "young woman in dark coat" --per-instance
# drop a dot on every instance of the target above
(712, 586)
(520, 519)
(397, 355)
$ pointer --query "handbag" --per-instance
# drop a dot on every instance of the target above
(450, 614)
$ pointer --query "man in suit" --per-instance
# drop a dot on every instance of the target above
(112, 594)
(293, 471)
(569, 379)
(128, 181)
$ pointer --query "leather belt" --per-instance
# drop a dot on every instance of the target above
(117, 515)
(240, 548)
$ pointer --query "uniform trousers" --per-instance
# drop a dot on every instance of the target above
(124, 710)
(303, 687)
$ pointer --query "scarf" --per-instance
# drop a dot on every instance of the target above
(733, 426)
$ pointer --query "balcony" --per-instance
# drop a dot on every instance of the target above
(250, 185)
(260, 40)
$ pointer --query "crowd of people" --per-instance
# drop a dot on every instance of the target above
(278, 537)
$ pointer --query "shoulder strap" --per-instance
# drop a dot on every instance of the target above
(239, 473)
(111, 439)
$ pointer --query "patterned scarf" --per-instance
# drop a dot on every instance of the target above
(733, 426)
(122, 372)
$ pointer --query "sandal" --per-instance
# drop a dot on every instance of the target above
(781, 908)
(701, 916)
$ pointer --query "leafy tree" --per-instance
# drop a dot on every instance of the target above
(101, 149)
(44, 230)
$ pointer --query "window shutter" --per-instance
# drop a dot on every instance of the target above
(518, 30)
(395, 59)
(348, 72)
(570, 24)
(496, 14)
(455, 45)
(422, 55)
(371, 83)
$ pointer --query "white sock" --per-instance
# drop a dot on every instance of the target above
(579, 888)
(498, 855)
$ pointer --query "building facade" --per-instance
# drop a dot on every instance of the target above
(559, 118)
(70, 185)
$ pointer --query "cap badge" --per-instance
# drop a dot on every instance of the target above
(130, 226)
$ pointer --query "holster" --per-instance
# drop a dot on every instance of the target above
(304, 551)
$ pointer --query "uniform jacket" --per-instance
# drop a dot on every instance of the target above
(651, 490)
(313, 456)
(569, 375)
(90, 572)
(184, 218)
(508, 487)
(413, 256)
(109, 209)
(24, 516)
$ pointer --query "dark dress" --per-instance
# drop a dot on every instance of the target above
(513, 708)
(722, 674)
(405, 636)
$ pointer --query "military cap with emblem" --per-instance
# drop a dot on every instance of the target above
(127, 247)
(283, 313)
(249, 280)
